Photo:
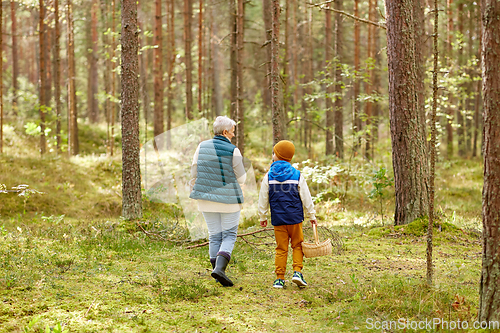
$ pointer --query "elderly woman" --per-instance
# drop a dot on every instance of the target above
(219, 171)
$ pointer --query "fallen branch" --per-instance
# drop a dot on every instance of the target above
(240, 235)
(149, 234)
(322, 6)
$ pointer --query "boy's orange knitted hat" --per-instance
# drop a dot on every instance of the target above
(284, 150)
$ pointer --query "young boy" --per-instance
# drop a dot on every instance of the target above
(285, 191)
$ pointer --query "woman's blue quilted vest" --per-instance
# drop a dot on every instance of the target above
(215, 179)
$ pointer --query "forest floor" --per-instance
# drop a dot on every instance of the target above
(69, 263)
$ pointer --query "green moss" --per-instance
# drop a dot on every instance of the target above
(417, 228)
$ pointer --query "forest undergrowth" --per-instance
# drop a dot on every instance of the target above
(69, 263)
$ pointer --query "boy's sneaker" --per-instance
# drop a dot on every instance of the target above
(298, 279)
(279, 283)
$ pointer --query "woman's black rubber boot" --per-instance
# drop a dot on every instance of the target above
(212, 261)
(219, 272)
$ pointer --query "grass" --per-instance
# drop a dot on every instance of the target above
(98, 276)
(69, 263)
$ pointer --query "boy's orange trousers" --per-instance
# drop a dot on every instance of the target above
(285, 234)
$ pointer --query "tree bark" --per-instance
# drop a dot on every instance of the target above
(1, 81)
(339, 108)
(330, 69)
(200, 57)
(188, 13)
(489, 292)
(93, 109)
(368, 84)
(286, 67)
(233, 58)
(409, 153)
(430, 267)
(240, 115)
(357, 124)
(268, 29)
(15, 60)
(131, 174)
(112, 111)
(107, 67)
(158, 71)
(461, 103)
(171, 64)
(376, 81)
(277, 116)
(478, 100)
(73, 144)
(57, 74)
(217, 102)
(449, 117)
(43, 76)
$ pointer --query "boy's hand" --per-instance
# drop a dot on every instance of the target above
(314, 222)
(263, 224)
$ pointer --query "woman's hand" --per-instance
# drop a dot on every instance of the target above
(263, 224)
(314, 222)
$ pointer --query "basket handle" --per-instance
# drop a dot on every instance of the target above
(316, 238)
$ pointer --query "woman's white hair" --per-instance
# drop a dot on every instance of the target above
(223, 123)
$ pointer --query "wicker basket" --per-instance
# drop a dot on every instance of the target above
(317, 249)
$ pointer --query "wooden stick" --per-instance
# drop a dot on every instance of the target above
(240, 235)
(322, 6)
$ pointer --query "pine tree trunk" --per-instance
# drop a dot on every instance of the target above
(295, 68)
(268, 28)
(217, 102)
(43, 76)
(112, 111)
(131, 173)
(107, 66)
(461, 103)
(339, 108)
(143, 90)
(73, 145)
(368, 84)
(489, 292)
(478, 101)
(432, 173)
(330, 69)
(188, 10)
(200, 57)
(450, 117)
(233, 58)
(57, 74)
(1, 81)
(357, 124)
(376, 81)
(15, 60)
(93, 110)
(409, 153)
(171, 63)
(240, 33)
(286, 67)
(306, 67)
(158, 71)
(277, 116)
(48, 64)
